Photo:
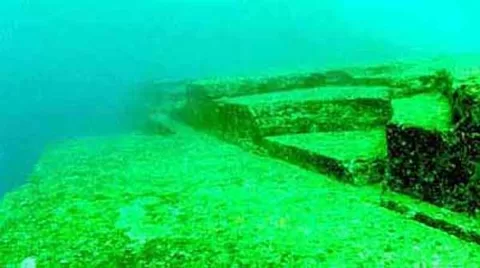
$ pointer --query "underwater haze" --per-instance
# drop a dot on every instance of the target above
(67, 68)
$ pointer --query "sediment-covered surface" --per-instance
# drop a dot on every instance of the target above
(190, 200)
(331, 108)
(181, 198)
(433, 134)
(228, 87)
(427, 159)
(357, 157)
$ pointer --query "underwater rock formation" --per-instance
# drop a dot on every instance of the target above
(437, 163)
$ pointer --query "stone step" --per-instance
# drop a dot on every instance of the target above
(428, 159)
(430, 111)
(418, 135)
(228, 87)
(331, 108)
(356, 157)
(216, 88)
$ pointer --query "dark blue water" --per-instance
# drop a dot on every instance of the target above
(67, 67)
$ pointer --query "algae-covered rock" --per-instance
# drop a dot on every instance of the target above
(465, 101)
(440, 81)
(415, 137)
(427, 157)
(241, 86)
(309, 110)
(356, 157)
(192, 201)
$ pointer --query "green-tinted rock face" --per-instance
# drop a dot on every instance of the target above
(428, 111)
(192, 200)
(465, 102)
(243, 86)
(429, 155)
(356, 157)
(313, 110)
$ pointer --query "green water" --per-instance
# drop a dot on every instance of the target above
(82, 186)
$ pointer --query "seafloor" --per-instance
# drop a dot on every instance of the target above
(192, 200)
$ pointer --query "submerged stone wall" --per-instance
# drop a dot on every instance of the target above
(431, 120)
(435, 157)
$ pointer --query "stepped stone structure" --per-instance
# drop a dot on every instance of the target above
(413, 127)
